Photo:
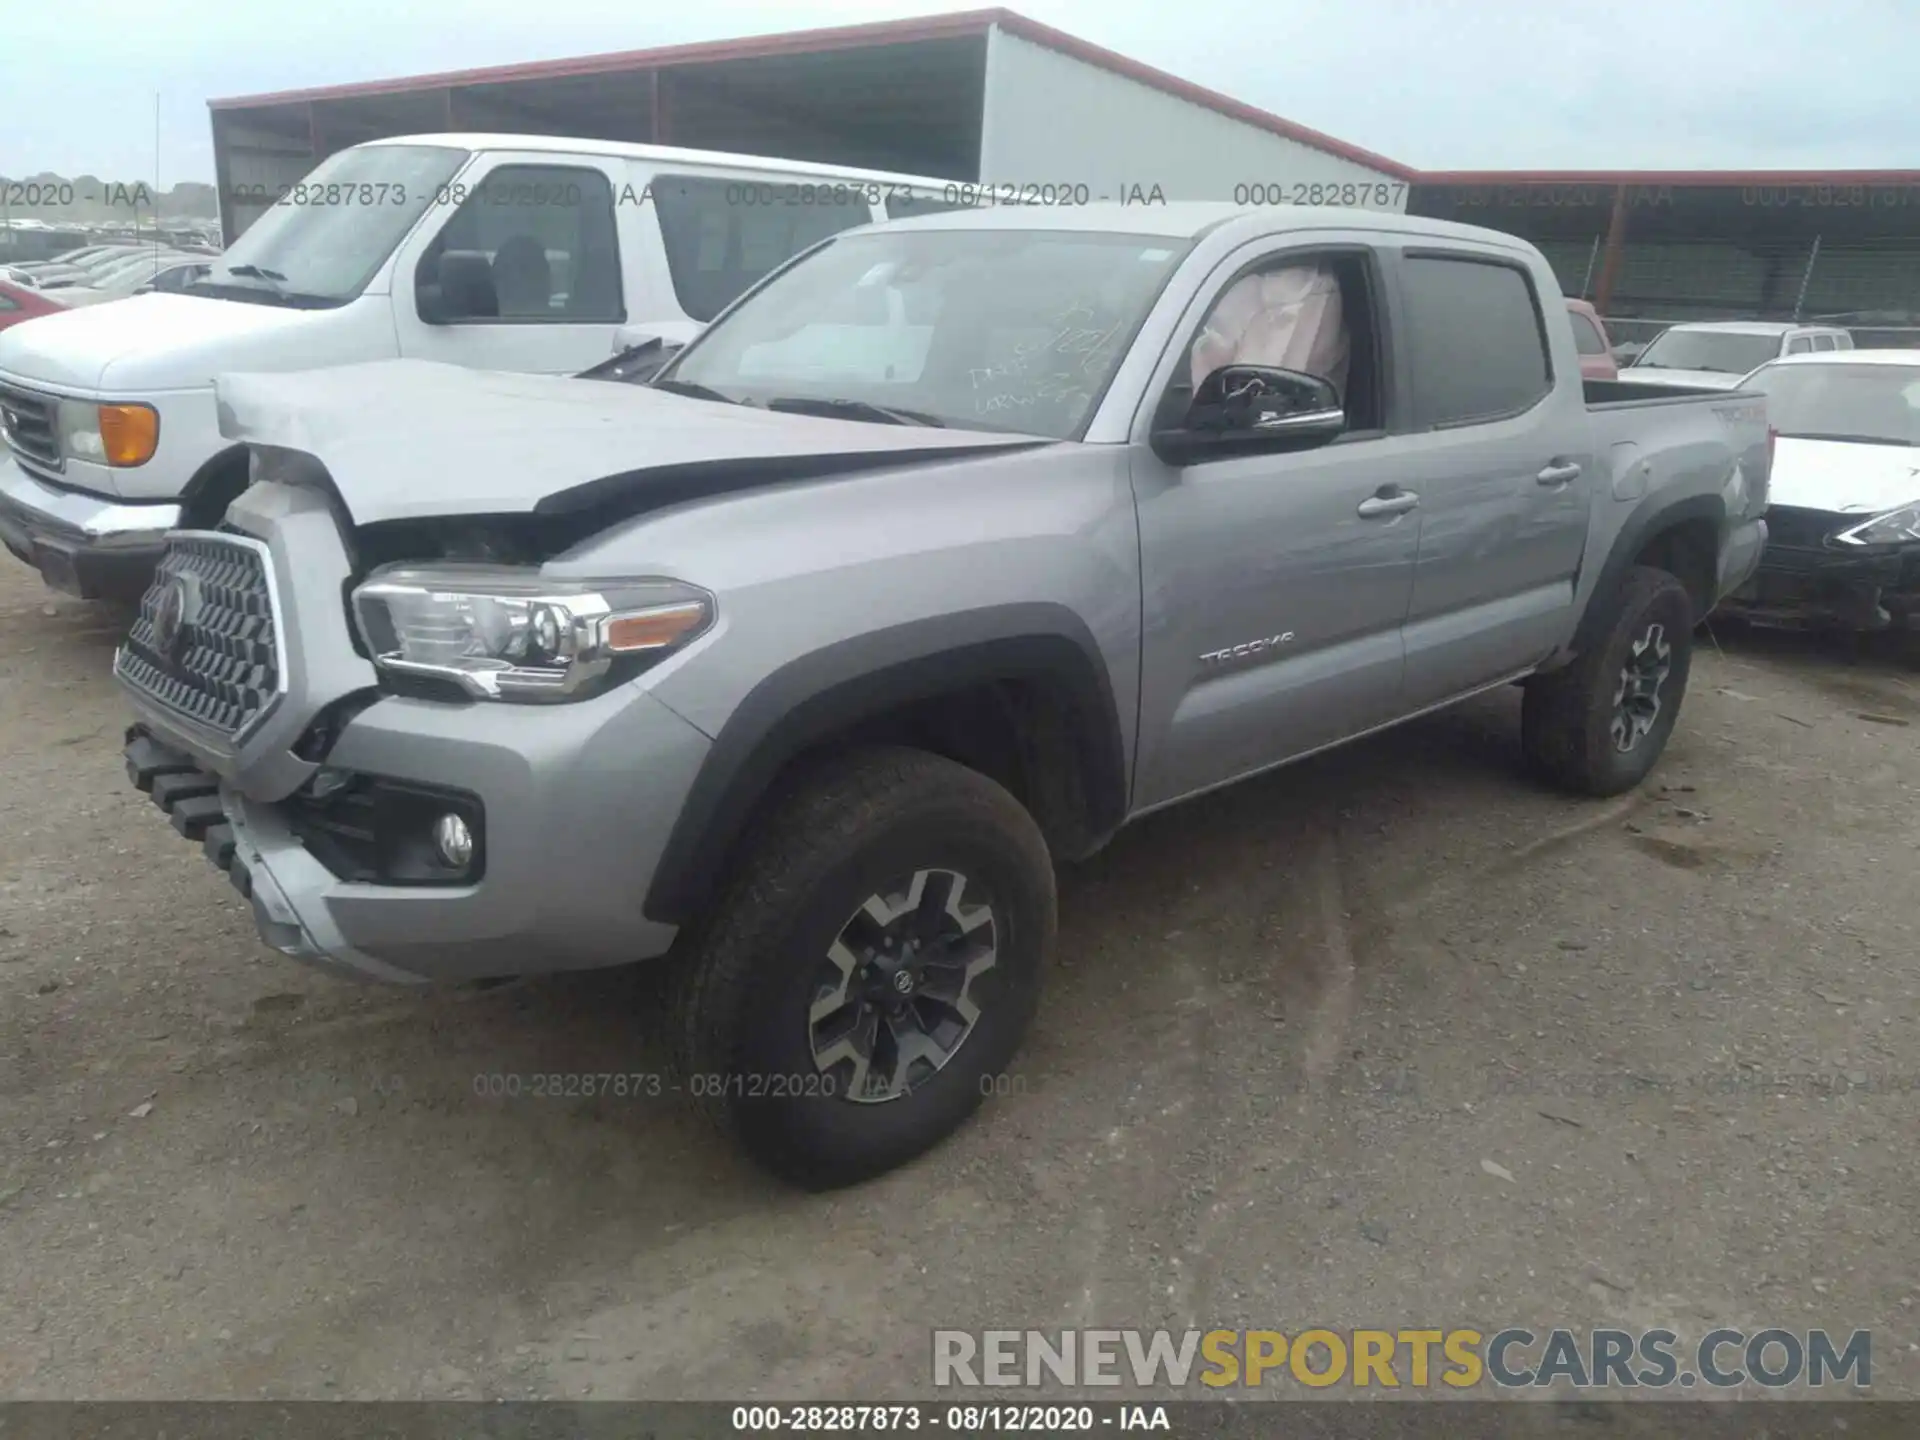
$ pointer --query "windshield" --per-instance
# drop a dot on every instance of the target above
(1724, 352)
(1878, 404)
(1015, 330)
(324, 241)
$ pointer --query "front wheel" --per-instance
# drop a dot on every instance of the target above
(1598, 725)
(871, 968)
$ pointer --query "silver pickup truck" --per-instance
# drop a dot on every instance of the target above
(952, 547)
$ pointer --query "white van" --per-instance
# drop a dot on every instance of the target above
(508, 252)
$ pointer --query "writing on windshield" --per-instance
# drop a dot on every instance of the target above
(1015, 330)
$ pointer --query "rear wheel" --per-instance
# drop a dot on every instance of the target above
(871, 968)
(1598, 725)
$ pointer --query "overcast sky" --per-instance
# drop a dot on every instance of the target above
(1438, 84)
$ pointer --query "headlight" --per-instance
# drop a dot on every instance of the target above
(1893, 528)
(118, 435)
(507, 633)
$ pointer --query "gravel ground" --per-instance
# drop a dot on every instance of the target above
(1392, 1038)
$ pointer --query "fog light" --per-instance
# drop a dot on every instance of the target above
(453, 840)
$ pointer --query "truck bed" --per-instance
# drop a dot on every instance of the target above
(1619, 394)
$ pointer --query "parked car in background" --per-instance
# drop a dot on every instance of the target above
(176, 277)
(1590, 340)
(1718, 353)
(951, 548)
(86, 266)
(499, 251)
(23, 302)
(1843, 515)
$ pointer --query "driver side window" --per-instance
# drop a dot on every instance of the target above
(1313, 313)
(531, 244)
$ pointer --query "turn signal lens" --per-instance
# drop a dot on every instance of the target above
(129, 434)
(653, 629)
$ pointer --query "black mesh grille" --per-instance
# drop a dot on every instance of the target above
(222, 667)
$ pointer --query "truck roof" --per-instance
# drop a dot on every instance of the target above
(1748, 327)
(1186, 219)
(663, 154)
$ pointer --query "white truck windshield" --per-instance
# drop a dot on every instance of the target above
(1723, 352)
(321, 241)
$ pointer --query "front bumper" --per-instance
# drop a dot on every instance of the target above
(86, 545)
(575, 801)
(1803, 582)
(578, 804)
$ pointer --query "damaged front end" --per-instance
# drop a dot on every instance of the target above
(1828, 570)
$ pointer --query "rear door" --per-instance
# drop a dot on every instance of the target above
(1506, 472)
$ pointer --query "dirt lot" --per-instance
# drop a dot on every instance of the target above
(1292, 1027)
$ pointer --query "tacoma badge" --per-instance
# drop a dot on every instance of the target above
(1251, 647)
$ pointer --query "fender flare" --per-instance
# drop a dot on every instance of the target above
(1648, 519)
(822, 693)
(210, 470)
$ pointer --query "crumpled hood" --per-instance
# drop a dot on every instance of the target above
(412, 439)
(1702, 379)
(1843, 477)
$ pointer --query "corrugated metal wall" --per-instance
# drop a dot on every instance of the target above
(1052, 120)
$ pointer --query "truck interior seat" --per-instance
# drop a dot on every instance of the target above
(522, 277)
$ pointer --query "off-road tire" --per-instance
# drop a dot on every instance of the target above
(1567, 716)
(841, 831)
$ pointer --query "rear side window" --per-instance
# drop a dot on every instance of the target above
(1823, 342)
(1586, 335)
(1800, 345)
(1843, 341)
(6, 305)
(1475, 340)
(722, 236)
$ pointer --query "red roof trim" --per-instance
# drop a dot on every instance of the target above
(1668, 177)
(798, 42)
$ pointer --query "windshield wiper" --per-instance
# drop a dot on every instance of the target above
(257, 272)
(693, 388)
(854, 410)
(263, 295)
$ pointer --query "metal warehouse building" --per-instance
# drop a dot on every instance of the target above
(985, 95)
(1650, 246)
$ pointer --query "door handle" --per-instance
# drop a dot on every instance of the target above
(1559, 474)
(1398, 503)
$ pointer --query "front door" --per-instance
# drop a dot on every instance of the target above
(523, 273)
(1275, 585)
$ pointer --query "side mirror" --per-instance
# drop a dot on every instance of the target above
(1242, 409)
(628, 338)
